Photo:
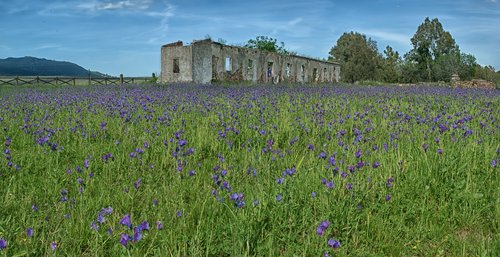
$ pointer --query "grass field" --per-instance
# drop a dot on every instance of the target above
(192, 170)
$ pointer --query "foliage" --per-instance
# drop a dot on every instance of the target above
(435, 57)
(430, 43)
(266, 43)
(357, 55)
(390, 70)
(196, 170)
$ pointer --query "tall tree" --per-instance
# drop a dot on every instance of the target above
(430, 42)
(390, 69)
(358, 56)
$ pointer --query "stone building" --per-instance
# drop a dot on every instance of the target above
(204, 61)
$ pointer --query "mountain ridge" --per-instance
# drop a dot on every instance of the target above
(33, 66)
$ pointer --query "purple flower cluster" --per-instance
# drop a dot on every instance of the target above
(237, 198)
(320, 230)
(101, 217)
(137, 231)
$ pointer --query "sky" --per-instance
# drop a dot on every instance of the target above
(125, 36)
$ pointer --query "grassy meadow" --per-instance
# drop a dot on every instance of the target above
(262, 170)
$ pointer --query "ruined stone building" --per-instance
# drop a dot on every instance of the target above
(205, 61)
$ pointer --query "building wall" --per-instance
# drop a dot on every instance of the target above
(184, 55)
(205, 61)
(202, 62)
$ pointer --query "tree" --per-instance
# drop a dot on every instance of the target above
(391, 68)
(267, 44)
(357, 55)
(430, 43)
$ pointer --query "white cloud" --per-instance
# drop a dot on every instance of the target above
(399, 38)
(47, 46)
(133, 5)
(295, 21)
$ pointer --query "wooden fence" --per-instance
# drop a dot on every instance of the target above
(72, 81)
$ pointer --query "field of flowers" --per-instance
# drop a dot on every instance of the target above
(196, 170)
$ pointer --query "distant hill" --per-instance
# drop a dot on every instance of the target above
(32, 66)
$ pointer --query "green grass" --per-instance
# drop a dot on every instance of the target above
(442, 204)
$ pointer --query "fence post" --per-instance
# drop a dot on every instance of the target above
(17, 81)
(121, 79)
(37, 80)
(74, 81)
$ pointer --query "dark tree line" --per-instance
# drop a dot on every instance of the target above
(435, 56)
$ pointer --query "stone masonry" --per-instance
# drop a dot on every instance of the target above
(204, 61)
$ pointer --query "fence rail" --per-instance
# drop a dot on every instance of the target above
(71, 81)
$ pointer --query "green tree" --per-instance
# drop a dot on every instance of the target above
(467, 68)
(358, 56)
(431, 42)
(267, 44)
(391, 66)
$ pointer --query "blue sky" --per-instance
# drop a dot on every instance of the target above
(125, 36)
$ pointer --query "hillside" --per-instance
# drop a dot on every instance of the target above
(32, 66)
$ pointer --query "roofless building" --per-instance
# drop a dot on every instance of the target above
(204, 61)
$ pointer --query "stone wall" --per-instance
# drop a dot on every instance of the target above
(475, 83)
(212, 61)
(172, 52)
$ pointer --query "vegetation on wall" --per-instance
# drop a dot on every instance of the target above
(268, 44)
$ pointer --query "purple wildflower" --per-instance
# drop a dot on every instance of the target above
(3, 243)
(144, 225)
(358, 153)
(289, 172)
(313, 194)
(179, 213)
(100, 218)
(494, 163)
(155, 202)
(137, 183)
(322, 227)
(29, 232)
(53, 245)
(124, 238)
(94, 226)
(279, 197)
(182, 142)
(440, 151)
(34, 207)
(86, 164)
(126, 221)
(348, 186)
(333, 243)
(376, 165)
(280, 180)
(329, 184)
(331, 160)
(322, 155)
(137, 234)
(388, 197)
(159, 225)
